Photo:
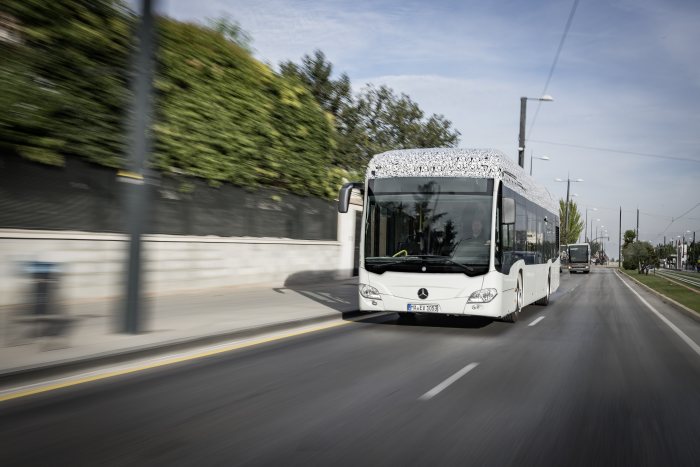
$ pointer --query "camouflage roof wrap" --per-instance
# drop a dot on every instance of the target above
(450, 162)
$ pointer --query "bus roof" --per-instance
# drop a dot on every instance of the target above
(456, 162)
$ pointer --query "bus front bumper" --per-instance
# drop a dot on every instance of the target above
(452, 306)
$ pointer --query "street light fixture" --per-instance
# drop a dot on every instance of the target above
(542, 158)
(523, 111)
(568, 186)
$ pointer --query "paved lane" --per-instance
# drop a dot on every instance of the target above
(597, 379)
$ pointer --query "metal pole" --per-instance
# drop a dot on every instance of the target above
(521, 138)
(531, 163)
(637, 237)
(566, 217)
(585, 233)
(619, 241)
(136, 189)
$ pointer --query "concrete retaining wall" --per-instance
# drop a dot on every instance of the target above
(92, 264)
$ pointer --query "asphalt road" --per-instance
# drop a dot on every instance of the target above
(600, 380)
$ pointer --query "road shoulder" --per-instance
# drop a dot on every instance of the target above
(679, 306)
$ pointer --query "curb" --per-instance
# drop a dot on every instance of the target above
(43, 370)
(679, 306)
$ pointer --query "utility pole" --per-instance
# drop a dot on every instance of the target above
(521, 136)
(139, 146)
(619, 241)
(637, 237)
(566, 215)
(568, 184)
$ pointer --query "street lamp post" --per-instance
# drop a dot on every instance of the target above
(543, 158)
(566, 216)
(592, 222)
(521, 137)
(586, 232)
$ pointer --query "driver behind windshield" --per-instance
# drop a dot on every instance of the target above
(474, 245)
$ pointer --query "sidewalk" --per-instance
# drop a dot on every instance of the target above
(173, 321)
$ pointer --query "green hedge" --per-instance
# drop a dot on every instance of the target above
(220, 114)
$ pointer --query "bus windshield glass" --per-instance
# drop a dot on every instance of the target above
(578, 254)
(419, 224)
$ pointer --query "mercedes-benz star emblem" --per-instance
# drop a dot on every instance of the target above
(422, 294)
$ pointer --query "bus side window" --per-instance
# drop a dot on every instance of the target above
(506, 239)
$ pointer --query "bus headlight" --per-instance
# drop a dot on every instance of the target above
(482, 296)
(368, 291)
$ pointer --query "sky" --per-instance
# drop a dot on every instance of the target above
(627, 79)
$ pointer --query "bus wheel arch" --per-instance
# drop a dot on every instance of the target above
(544, 301)
(513, 316)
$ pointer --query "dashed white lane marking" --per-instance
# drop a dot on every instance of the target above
(537, 320)
(673, 327)
(442, 386)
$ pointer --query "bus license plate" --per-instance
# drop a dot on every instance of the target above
(423, 308)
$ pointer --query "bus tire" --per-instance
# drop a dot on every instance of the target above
(544, 301)
(513, 317)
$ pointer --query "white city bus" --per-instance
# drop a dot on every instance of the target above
(455, 232)
(579, 255)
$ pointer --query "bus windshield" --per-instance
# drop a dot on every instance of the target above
(578, 253)
(429, 225)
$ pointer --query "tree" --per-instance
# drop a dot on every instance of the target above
(374, 121)
(232, 31)
(334, 96)
(638, 254)
(629, 237)
(315, 73)
(571, 232)
(65, 81)
(390, 122)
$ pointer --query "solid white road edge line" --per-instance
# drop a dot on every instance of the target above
(442, 386)
(537, 320)
(673, 327)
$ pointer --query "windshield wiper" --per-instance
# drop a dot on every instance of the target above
(381, 265)
(444, 260)
(455, 263)
(430, 259)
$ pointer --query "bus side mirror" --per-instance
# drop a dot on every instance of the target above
(508, 211)
(344, 195)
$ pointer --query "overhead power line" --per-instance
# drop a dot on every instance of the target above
(554, 63)
(619, 151)
(677, 218)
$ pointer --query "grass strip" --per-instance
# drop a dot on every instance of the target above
(667, 288)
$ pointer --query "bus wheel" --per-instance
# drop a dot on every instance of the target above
(545, 300)
(513, 317)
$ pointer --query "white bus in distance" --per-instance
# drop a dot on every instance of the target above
(454, 232)
(579, 255)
